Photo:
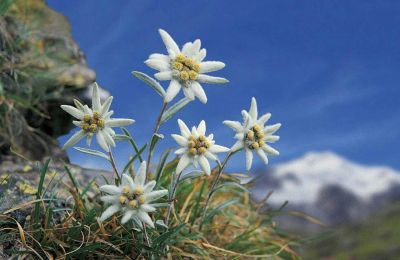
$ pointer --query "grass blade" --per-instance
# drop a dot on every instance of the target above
(137, 155)
(39, 194)
(132, 142)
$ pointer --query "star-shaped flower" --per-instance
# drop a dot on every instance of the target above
(253, 135)
(196, 147)
(133, 198)
(184, 68)
(94, 121)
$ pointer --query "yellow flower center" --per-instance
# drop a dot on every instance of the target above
(198, 146)
(122, 200)
(131, 199)
(187, 68)
(141, 200)
(133, 203)
(255, 137)
(138, 191)
(92, 123)
(125, 190)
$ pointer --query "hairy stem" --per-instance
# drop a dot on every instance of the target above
(171, 206)
(156, 127)
(113, 164)
(216, 179)
(146, 236)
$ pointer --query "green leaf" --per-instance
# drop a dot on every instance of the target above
(216, 210)
(156, 137)
(166, 237)
(242, 178)
(39, 194)
(175, 108)
(92, 152)
(197, 205)
(160, 167)
(86, 189)
(132, 142)
(150, 81)
(230, 184)
(71, 177)
(161, 223)
(191, 175)
(121, 138)
(129, 163)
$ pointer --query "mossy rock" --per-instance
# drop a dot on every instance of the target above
(41, 67)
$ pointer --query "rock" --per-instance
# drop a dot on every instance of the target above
(41, 67)
(19, 181)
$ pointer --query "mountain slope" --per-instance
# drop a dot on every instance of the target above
(329, 187)
(375, 238)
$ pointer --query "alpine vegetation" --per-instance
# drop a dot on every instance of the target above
(185, 206)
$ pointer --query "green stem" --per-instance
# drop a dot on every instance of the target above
(113, 164)
(171, 206)
(216, 179)
(156, 128)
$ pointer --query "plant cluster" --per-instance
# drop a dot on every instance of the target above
(167, 210)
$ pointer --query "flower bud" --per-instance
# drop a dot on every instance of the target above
(96, 115)
(180, 57)
(255, 145)
(138, 190)
(122, 199)
(202, 150)
(184, 75)
(192, 151)
(141, 200)
(86, 118)
(250, 135)
(192, 75)
(133, 203)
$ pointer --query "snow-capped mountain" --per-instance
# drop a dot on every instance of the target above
(330, 187)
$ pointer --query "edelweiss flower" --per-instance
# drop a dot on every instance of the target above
(196, 147)
(185, 68)
(133, 198)
(253, 135)
(94, 121)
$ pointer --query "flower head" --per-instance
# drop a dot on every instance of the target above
(253, 135)
(94, 121)
(184, 68)
(196, 147)
(132, 198)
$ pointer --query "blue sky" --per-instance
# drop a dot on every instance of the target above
(327, 70)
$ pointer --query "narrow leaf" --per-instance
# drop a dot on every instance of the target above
(43, 171)
(92, 152)
(156, 137)
(129, 163)
(160, 205)
(242, 178)
(132, 142)
(161, 165)
(216, 210)
(150, 81)
(175, 108)
(191, 175)
(121, 138)
(230, 184)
